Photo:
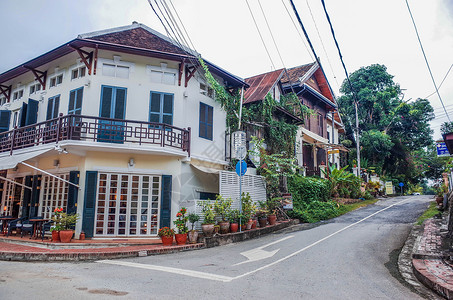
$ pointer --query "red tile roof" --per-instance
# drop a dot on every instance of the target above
(260, 85)
(139, 38)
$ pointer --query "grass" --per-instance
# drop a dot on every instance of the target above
(345, 208)
(429, 213)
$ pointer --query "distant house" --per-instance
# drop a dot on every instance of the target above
(117, 125)
(317, 140)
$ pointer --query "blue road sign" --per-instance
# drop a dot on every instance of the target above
(442, 149)
(401, 184)
(239, 168)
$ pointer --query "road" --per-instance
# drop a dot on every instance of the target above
(350, 257)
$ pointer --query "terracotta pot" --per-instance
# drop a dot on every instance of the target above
(55, 236)
(439, 200)
(263, 222)
(224, 227)
(193, 237)
(254, 222)
(243, 227)
(66, 235)
(181, 238)
(207, 229)
(249, 224)
(272, 219)
(167, 240)
(234, 227)
(82, 236)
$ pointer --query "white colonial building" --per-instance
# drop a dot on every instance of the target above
(118, 125)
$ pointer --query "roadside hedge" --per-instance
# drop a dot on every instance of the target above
(306, 190)
(316, 211)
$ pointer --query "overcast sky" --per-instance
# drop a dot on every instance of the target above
(368, 32)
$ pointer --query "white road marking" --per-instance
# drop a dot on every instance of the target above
(259, 254)
(222, 278)
(190, 273)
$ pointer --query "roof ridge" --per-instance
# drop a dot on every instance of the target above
(265, 73)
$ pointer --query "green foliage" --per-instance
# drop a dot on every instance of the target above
(248, 207)
(208, 213)
(316, 211)
(222, 207)
(446, 127)
(308, 189)
(64, 221)
(233, 216)
(342, 181)
(429, 213)
(166, 231)
(181, 221)
(193, 218)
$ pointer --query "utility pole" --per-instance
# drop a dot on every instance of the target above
(357, 139)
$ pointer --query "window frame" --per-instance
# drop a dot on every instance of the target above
(208, 125)
(53, 98)
(79, 72)
(161, 107)
(75, 110)
(55, 80)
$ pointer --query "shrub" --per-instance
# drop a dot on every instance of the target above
(307, 189)
(316, 211)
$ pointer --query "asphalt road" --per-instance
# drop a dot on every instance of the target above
(350, 257)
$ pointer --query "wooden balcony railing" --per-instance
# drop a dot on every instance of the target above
(104, 130)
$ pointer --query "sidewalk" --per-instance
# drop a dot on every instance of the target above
(432, 258)
(25, 249)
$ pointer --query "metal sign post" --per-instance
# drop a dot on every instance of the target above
(239, 152)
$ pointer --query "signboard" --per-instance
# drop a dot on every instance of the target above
(241, 168)
(388, 187)
(401, 184)
(333, 151)
(239, 145)
(287, 201)
(442, 149)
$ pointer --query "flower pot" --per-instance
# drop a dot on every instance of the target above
(216, 229)
(254, 223)
(55, 236)
(181, 238)
(193, 237)
(249, 224)
(167, 240)
(207, 229)
(224, 227)
(234, 227)
(66, 235)
(82, 236)
(263, 222)
(439, 200)
(272, 219)
(243, 227)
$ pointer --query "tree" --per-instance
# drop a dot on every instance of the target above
(390, 129)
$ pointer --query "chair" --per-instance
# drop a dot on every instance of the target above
(14, 225)
(27, 226)
(46, 229)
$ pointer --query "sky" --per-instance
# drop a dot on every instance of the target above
(368, 32)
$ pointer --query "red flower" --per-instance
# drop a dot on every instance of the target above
(179, 214)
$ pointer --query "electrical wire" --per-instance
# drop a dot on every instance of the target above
(259, 32)
(426, 60)
(188, 37)
(440, 85)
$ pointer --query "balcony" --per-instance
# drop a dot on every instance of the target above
(95, 129)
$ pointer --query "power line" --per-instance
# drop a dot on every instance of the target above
(183, 27)
(259, 32)
(426, 60)
(440, 85)
(322, 43)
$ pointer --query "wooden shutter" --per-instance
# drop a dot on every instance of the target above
(73, 192)
(89, 203)
(32, 112)
(34, 201)
(27, 197)
(167, 109)
(120, 103)
(165, 207)
(106, 102)
(78, 102)
(209, 121)
(71, 107)
(49, 109)
(154, 108)
(5, 117)
(23, 115)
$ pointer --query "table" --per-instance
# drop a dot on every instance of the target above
(5, 223)
(37, 226)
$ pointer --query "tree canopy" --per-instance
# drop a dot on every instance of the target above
(391, 129)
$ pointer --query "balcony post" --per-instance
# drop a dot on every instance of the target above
(12, 140)
(59, 127)
(188, 140)
(162, 141)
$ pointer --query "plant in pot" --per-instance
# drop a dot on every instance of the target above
(166, 235)
(193, 234)
(208, 217)
(65, 223)
(248, 209)
(222, 208)
(244, 219)
(233, 217)
(55, 229)
(181, 225)
(261, 215)
(271, 208)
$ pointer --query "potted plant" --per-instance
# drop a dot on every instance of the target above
(222, 208)
(55, 229)
(180, 222)
(193, 234)
(248, 209)
(234, 218)
(271, 208)
(262, 217)
(166, 235)
(65, 223)
(208, 218)
(244, 221)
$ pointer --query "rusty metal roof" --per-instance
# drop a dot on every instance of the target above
(297, 72)
(261, 85)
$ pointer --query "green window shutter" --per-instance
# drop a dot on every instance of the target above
(78, 103)
(165, 207)
(23, 115)
(49, 108)
(89, 203)
(5, 117)
(106, 102)
(120, 103)
(27, 197)
(34, 200)
(32, 112)
(73, 192)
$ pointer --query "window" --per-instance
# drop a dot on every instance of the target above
(206, 90)
(320, 125)
(52, 107)
(75, 102)
(54, 81)
(115, 70)
(54, 194)
(162, 74)
(206, 120)
(78, 72)
(161, 108)
(2, 100)
(18, 94)
(15, 118)
(35, 88)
